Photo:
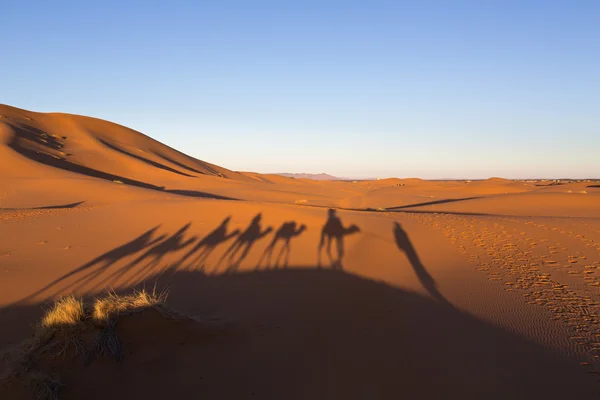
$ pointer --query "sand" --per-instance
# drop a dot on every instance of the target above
(482, 289)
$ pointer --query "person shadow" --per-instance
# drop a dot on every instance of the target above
(334, 230)
(405, 245)
(204, 248)
(243, 243)
(285, 233)
(93, 269)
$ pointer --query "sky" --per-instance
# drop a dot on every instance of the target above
(422, 88)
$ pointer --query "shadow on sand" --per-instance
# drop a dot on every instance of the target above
(311, 333)
(31, 134)
(284, 234)
(429, 203)
(111, 269)
(404, 244)
(56, 207)
(334, 230)
(243, 243)
(204, 248)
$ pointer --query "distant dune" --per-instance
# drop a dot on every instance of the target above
(314, 177)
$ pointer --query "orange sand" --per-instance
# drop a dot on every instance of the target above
(483, 289)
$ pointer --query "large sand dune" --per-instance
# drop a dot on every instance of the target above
(482, 289)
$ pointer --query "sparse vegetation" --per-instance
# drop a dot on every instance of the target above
(67, 311)
(113, 305)
(69, 324)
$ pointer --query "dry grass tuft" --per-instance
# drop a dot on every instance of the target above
(105, 312)
(67, 311)
(65, 325)
(113, 305)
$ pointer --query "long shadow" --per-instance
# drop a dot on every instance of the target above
(57, 207)
(101, 264)
(428, 203)
(410, 211)
(195, 193)
(143, 159)
(334, 230)
(244, 241)
(204, 164)
(204, 248)
(181, 165)
(427, 281)
(153, 258)
(307, 332)
(100, 272)
(311, 333)
(593, 186)
(285, 234)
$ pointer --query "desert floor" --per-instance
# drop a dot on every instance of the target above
(420, 289)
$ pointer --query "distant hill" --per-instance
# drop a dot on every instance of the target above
(315, 177)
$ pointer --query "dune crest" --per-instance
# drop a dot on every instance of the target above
(95, 147)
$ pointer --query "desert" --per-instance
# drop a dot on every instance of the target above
(300, 200)
(213, 283)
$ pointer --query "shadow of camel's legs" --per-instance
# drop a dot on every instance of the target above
(340, 248)
(200, 258)
(236, 264)
(267, 255)
(329, 240)
(285, 253)
(231, 251)
(144, 271)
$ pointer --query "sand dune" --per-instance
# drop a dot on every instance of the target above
(418, 289)
(93, 146)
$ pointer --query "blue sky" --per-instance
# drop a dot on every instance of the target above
(434, 89)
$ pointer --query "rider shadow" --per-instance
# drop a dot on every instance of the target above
(285, 234)
(245, 240)
(427, 281)
(204, 248)
(334, 230)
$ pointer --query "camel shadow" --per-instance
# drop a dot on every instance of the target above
(243, 244)
(101, 264)
(154, 256)
(334, 230)
(285, 234)
(204, 248)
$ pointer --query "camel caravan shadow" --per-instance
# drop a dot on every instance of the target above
(156, 256)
